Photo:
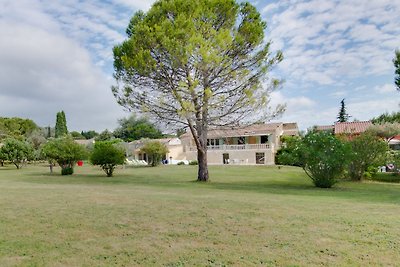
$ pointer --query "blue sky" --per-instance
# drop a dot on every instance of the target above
(56, 55)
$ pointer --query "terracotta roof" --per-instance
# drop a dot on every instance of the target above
(255, 129)
(324, 128)
(352, 127)
(161, 140)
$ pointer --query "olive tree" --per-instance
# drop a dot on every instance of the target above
(385, 130)
(197, 64)
(107, 155)
(16, 151)
(65, 151)
(154, 150)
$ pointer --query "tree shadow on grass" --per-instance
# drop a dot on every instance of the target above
(296, 186)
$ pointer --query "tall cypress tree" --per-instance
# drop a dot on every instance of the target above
(343, 116)
(61, 125)
(396, 62)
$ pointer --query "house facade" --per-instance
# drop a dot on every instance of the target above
(176, 149)
(250, 145)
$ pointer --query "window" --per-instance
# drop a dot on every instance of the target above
(212, 142)
(241, 140)
(260, 158)
(264, 139)
(225, 158)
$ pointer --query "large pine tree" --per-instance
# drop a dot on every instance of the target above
(197, 64)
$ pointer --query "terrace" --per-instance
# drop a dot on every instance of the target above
(235, 147)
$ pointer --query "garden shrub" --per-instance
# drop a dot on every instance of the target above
(323, 157)
(181, 163)
(289, 153)
(107, 154)
(368, 152)
(65, 151)
(193, 162)
(67, 171)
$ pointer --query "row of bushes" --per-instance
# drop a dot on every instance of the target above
(326, 158)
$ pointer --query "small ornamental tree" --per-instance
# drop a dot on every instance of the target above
(107, 155)
(16, 151)
(155, 151)
(65, 151)
(367, 150)
(324, 158)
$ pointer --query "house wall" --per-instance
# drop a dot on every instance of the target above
(176, 152)
(244, 157)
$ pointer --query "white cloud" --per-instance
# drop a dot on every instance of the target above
(386, 88)
(136, 4)
(331, 40)
(366, 110)
(43, 71)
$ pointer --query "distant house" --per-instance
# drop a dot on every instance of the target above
(174, 145)
(85, 142)
(394, 143)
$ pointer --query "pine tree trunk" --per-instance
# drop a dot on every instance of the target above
(203, 167)
(202, 155)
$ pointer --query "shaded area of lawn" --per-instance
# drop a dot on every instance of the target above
(251, 179)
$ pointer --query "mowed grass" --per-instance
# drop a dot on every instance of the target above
(160, 216)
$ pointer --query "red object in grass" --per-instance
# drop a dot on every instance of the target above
(80, 163)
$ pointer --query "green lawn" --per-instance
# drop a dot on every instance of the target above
(160, 216)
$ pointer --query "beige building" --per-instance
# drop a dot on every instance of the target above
(176, 149)
(250, 145)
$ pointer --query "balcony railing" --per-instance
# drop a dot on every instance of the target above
(235, 147)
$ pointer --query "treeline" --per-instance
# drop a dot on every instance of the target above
(130, 129)
(16, 127)
(386, 117)
(21, 140)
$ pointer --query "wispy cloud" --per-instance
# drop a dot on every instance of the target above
(325, 41)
